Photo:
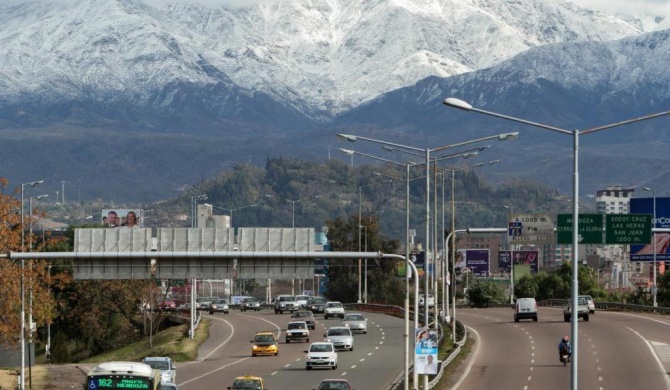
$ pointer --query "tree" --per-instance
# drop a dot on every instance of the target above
(383, 285)
(485, 292)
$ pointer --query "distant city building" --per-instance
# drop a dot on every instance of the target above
(619, 271)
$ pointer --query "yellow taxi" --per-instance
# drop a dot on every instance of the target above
(247, 382)
(265, 343)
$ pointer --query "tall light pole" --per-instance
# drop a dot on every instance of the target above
(365, 289)
(653, 286)
(194, 213)
(427, 152)
(460, 104)
(22, 382)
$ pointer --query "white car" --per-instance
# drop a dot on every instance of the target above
(321, 355)
(163, 364)
(341, 337)
(297, 331)
(333, 309)
(356, 322)
(302, 300)
(430, 300)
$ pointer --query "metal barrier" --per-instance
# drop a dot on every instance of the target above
(452, 356)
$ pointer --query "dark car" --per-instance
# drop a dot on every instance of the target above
(316, 304)
(304, 315)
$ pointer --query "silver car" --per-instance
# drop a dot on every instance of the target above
(356, 322)
(341, 337)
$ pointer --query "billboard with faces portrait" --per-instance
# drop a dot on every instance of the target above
(121, 218)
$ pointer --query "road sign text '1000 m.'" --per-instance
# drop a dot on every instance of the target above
(626, 229)
(590, 229)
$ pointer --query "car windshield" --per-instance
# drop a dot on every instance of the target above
(302, 314)
(246, 384)
(354, 317)
(321, 348)
(286, 299)
(334, 304)
(264, 338)
(302, 297)
(333, 386)
(297, 325)
(318, 300)
(159, 365)
(339, 332)
(250, 300)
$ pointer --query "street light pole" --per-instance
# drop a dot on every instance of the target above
(22, 381)
(365, 289)
(232, 210)
(460, 104)
(653, 286)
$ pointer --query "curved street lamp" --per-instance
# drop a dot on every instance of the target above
(462, 105)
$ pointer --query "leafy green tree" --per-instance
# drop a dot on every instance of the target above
(485, 292)
(383, 285)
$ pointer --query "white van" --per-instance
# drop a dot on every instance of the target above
(525, 308)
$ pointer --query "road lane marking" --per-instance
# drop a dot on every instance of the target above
(274, 373)
(369, 353)
(230, 336)
(663, 351)
(472, 361)
(213, 371)
(658, 359)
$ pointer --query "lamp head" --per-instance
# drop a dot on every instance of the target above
(648, 189)
(508, 136)
(42, 196)
(350, 138)
(457, 103)
(348, 152)
(470, 154)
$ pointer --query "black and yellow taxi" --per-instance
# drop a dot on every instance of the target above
(248, 382)
(265, 343)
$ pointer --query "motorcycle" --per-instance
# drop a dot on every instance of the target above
(565, 359)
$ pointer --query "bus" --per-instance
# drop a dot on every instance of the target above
(123, 375)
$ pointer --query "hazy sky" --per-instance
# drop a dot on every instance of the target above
(629, 7)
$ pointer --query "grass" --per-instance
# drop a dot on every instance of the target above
(173, 342)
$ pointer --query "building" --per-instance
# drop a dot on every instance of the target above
(618, 270)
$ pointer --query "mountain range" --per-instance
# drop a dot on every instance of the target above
(129, 99)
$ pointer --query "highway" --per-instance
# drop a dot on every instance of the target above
(374, 364)
(617, 351)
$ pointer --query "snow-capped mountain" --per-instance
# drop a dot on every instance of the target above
(320, 56)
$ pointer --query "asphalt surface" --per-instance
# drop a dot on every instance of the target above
(374, 364)
(615, 351)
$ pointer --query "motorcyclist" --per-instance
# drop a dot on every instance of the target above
(564, 347)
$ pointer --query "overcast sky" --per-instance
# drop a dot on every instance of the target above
(628, 7)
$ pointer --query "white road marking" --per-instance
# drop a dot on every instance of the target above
(600, 378)
(354, 366)
(472, 361)
(362, 360)
(369, 353)
(230, 336)
(274, 373)
(530, 377)
(658, 359)
(376, 347)
(213, 371)
(662, 350)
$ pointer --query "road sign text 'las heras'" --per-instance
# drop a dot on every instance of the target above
(627, 229)
(531, 229)
(590, 229)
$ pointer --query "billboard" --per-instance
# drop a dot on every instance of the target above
(122, 218)
(646, 252)
(520, 257)
(475, 260)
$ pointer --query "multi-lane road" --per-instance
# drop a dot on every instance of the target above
(375, 362)
(617, 351)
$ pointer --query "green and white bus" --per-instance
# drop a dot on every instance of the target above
(123, 375)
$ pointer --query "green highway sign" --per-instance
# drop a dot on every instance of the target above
(590, 229)
(627, 229)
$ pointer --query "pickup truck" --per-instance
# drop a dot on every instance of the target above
(582, 310)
